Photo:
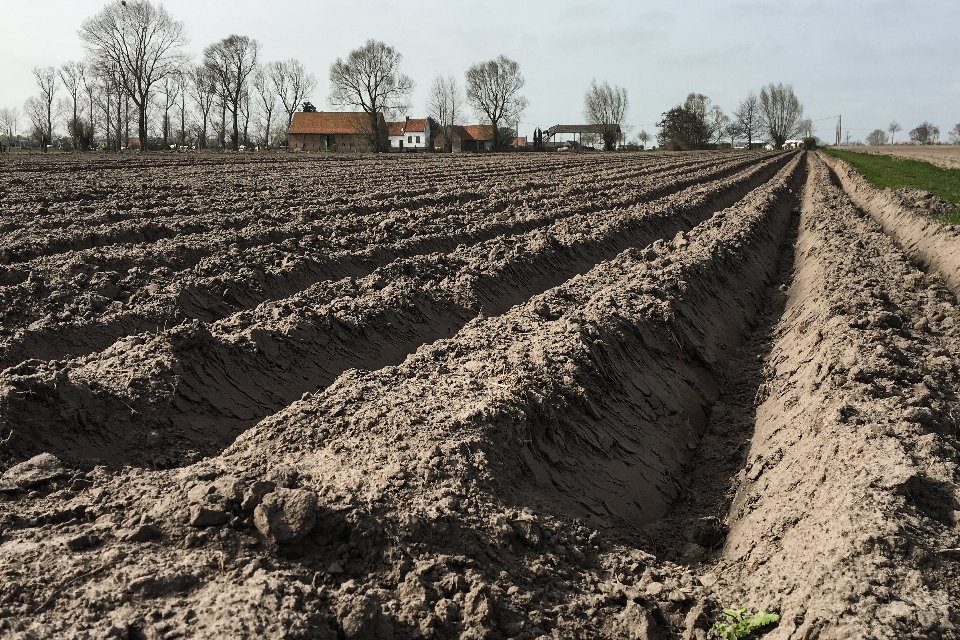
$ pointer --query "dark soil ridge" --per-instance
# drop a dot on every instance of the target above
(167, 302)
(162, 400)
(435, 479)
(933, 245)
(184, 213)
(301, 216)
(849, 496)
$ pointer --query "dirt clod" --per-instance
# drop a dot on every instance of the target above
(286, 515)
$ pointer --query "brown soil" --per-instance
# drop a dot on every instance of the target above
(943, 155)
(478, 397)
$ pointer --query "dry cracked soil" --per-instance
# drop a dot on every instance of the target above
(493, 396)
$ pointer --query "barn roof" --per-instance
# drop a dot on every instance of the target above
(479, 132)
(330, 122)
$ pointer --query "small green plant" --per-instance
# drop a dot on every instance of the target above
(737, 625)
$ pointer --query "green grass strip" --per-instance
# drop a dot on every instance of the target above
(895, 173)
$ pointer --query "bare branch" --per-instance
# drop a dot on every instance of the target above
(493, 91)
(781, 113)
(606, 107)
(370, 79)
(142, 42)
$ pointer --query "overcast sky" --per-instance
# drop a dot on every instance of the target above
(871, 60)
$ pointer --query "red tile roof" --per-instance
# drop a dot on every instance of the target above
(416, 125)
(395, 128)
(329, 122)
(479, 132)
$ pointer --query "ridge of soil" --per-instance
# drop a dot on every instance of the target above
(483, 488)
(519, 396)
(932, 244)
(849, 494)
(165, 399)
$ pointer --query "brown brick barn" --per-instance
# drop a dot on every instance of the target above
(333, 131)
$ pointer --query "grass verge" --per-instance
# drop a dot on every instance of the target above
(896, 173)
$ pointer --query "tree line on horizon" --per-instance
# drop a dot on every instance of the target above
(137, 79)
(924, 133)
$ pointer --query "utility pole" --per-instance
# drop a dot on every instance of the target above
(839, 120)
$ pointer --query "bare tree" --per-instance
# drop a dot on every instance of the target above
(292, 83)
(36, 111)
(643, 137)
(732, 131)
(100, 85)
(72, 76)
(718, 122)
(142, 42)
(781, 113)
(230, 63)
(247, 108)
(183, 87)
(493, 90)
(370, 78)
(925, 133)
(606, 107)
(954, 134)
(171, 91)
(91, 89)
(47, 82)
(9, 118)
(267, 94)
(204, 94)
(893, 128)
(877, 137)
(747, 118)
(445, 104)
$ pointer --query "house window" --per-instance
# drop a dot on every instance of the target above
(409, 139)
(418, 139)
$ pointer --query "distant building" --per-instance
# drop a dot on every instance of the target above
(412, 134)
(520, 142)
(472, 137)
(333, 131)
(577, 131)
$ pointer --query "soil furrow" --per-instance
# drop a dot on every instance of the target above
(192, 215)
(930, 243)
(849, 495)
(290, 347)
(175, 200)
(465, 492)
(169, 298)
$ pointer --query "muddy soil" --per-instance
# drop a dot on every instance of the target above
(663, 386)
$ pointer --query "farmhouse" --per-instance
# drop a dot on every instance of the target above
(411, 134)
(332, 131)
(472, 137)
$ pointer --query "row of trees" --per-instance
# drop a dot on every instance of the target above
(136, 70)
(924, 133)
(370, 80)
(698, 124)
(137, 75)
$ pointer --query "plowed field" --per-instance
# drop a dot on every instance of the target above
(945, 155)
(518, 396)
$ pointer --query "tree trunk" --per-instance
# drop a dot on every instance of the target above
(235, 136)
(142, 106)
